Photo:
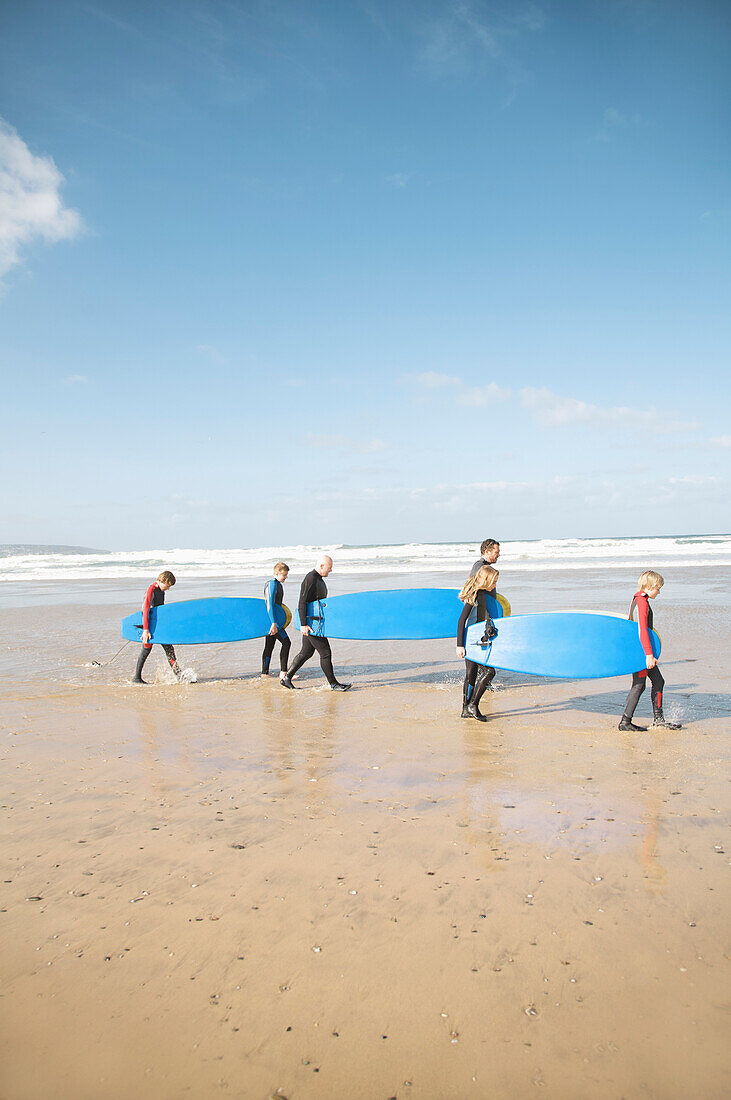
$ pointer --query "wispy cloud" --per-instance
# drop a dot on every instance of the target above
(554, 411)
(433, 380)
(720, 441)
(30, 200)
(211, 352)
(466, 33)
(75, 380)
(484, 395)
(615, 122)
(399, 180)
(345, 443)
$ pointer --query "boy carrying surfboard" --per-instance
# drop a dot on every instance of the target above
(648, 588)
(154, 597)
(273, 596)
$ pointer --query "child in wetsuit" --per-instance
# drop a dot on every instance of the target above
(477, 678)
(154, 597)
(648, 587)
(273, 596)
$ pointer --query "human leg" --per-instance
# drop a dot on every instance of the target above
(481, 686)
(470, 675)
(322, 645)
(304, 655)
(639, 679)
(657, 683)
(284, 653)
(266, 656)
(172, 659)
(145, 652)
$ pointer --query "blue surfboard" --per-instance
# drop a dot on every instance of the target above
(578, 645)
(396, 614)
(193, 622)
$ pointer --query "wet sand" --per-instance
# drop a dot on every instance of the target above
(226, 888)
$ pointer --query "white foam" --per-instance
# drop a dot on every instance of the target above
(542, 555)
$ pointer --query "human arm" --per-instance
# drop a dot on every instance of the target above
(270, 599)
(306, 596)
(146, 613)
(643, 609)
(461, 629)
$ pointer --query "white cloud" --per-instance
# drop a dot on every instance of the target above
(432, 380)
(694, 479)
(484, 395)
(614, 122)
(30, 201)
(553, 411)
(211, 352)
(464, 33)
(75, 380)
(398, 179)
(345, 443)
(720, 441)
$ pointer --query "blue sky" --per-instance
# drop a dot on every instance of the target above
(281, 272)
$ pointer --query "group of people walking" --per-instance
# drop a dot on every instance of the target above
(479, 586)
(312, 590)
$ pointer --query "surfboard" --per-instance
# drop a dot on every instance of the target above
(195, 622)
(578, 645)
(395, 614)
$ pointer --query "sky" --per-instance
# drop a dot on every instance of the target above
(280, 272)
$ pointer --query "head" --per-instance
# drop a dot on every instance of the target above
(490, 551)
(324, 565)
(166, 580)
(281, 571)
(484, 579)
(650, 583)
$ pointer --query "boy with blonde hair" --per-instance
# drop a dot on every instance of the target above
(648, 587)
(273, 596)
(154, 597)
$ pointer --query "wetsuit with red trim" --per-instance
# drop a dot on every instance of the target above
(154, 597)
(474, 688)
(641, 602)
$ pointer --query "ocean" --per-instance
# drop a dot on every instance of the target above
(23, 565)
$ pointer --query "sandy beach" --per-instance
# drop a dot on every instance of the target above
(226, 888)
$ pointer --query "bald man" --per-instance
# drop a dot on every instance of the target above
(313, 589)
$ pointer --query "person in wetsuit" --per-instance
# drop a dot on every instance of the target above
(314, 589)
(273, 596)
(477, 678)
(154, 597)
(648, 587)
(489, 554)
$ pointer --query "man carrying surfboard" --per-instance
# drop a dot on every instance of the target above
(313, 590)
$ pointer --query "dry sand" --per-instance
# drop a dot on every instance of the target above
(226, 888)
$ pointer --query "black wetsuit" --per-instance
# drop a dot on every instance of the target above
(273, 595)
(313, 589)
(154, 597)
(472, 669)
